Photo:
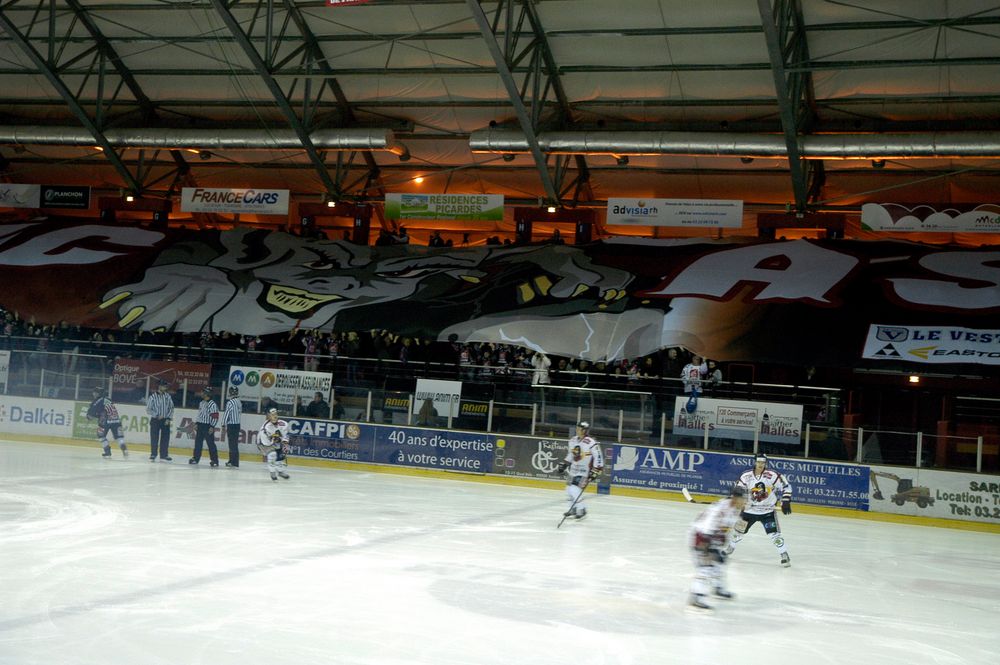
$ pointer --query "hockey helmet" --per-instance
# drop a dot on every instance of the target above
(577, 453)
(584, 425)
(272, 412)
(738, 491)
(164, 385)
(99, 391)
(206, 391)
(761, 459)
(233, 391)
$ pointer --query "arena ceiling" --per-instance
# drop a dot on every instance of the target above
(785, 104)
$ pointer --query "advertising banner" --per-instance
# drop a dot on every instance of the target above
(736, 419)
(817, 483)
(711, 213)
(329, 440)
(529, 457)
(281, 385)
(933, 344)
(433, 449)
(927, 219)
(129, 377)
(483, 207)
(4, 368)
(253, 201)
(65, 197)
(41, 417)
(20, 196)
(445, 396)
(928, 493)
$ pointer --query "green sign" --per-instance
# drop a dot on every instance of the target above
(82, 427)
(484, 207)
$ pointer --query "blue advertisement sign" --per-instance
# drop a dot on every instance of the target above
(434, 449)
(330, 440)
(817, 483)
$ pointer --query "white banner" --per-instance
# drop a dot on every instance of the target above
(4, 368)
(959, 496)
(923, 218)
(712, 213)
(253, 201)
(281, 385)
(20, 196)
(446, 396)
(31, 415)
(735, 419)
(933, 344)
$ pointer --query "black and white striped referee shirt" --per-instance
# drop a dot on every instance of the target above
(234, 410)
(160, 405)
(208, 412)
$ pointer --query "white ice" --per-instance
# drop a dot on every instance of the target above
(126, 562)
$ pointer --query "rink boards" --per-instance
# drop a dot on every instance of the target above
(903, 491)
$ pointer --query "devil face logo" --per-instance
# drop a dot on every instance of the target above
(577, 453)
(759, 492)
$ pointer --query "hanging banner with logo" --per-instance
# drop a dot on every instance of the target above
(477, 207)
(711, 213)
(251, 201)
(281, 385)
(445, 396)
(20, 196)
(927, 219)
(933, 344)
(132, 376)
(735, 419)
(65, 197)
(4, 368)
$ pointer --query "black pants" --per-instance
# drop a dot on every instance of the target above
(159, 438)
(205, 433)
(233, 436)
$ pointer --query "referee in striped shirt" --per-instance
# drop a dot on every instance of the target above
(231, 419)
(160, 408)
(204, 428)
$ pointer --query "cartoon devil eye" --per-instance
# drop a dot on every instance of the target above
(408, 273)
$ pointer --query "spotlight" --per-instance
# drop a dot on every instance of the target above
(914, 378)
(551, 208)
(129, 197)
(419, 179)
(331, 204)
(746, 160)
(878, 163)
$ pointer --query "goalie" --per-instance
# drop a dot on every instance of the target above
(272, 441)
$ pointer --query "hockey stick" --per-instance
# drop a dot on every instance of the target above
(687, 495)
(569, 512)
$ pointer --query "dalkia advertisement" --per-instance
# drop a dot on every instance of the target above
(486, 207)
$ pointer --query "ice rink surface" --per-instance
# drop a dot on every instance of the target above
(126, 562)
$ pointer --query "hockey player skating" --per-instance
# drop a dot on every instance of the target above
(272, 441)
(708, 539)
(585, 462)
(108, 420)
(764, 488)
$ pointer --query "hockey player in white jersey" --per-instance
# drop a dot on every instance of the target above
(708, 539)
(765, 488)
(272, 441)
(585, 462)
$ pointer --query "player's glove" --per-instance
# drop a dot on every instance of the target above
(786, 506)
(595, 474)
(276, 438)
(562, 467)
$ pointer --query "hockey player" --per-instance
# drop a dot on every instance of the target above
(764, 487)
(108, 419)
(272, 441)
(708, 538)
(585, 462)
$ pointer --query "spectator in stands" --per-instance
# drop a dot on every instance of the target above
(338, 410)
(318, 407)
(693, 374)
(435, 240)
(428, 415)
(540, 363)
(714, 377)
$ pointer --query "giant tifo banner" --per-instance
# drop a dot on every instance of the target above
(933, 344)
(281, 385)
(702, 213)
(926, 219)
(486, 207)
(132, 376)
(253, 201)
(802, 302)
(734, 419)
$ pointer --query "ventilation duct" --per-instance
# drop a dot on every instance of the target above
(209, 139)
(726, 144)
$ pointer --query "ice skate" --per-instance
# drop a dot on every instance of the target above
(580, 513)
(107, 452)
(722, 593)
(570, 512)
(786, 560)
(192, 461)
(283, 475)
(152, 458)
(124, 452)
(729, 549)
(168, 458)
(214, 464)
(274, 476)
(697, 603)
(230, 465)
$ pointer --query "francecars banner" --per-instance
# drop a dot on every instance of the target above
(712, 213)
(484, 207)
(735, 419)
(253, 201)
